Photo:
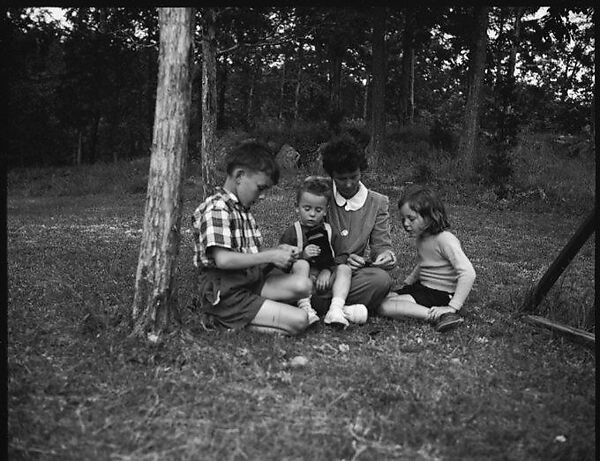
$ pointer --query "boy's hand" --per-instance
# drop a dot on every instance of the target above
(323, 280)
(311, 251)
(283, 256)
(437, 311)
(355, 261)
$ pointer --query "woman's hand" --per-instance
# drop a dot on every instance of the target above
(384, 259)
(355, 261)
(437, 311)
(311, 251)
(323, 280)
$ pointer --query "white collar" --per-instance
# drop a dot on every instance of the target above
(355, 202)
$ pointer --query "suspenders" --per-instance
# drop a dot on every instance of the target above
(300, 236)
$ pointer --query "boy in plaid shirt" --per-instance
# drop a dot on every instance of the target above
(235, 286)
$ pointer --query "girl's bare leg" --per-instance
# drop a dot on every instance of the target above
(276, 317)
(398, 306)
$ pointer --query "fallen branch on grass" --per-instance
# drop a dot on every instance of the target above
(589, 338)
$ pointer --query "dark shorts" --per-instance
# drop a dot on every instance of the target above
(231, 298)
(426, 296)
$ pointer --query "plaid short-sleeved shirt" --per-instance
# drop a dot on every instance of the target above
(222, 221)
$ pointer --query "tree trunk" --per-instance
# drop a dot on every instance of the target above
(254, 71)
(512, 58)
(94, 139)
(468, 141)
(298, 85)
(155, 294)
(281, 93)
(335, 115)
(406, 82)
(365, 114)
(222, 89)
(209, 100)
(378, 92)
(79, 154)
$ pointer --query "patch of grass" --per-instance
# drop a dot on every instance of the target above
(80, 388)
(101, 178)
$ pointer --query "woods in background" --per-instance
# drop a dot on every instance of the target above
(83, 90)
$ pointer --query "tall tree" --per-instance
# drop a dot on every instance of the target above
(468, 140)
(407, 94)
(209, 99)
(155, 294)
(378, 119)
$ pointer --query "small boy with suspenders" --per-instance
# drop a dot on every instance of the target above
(312, 236)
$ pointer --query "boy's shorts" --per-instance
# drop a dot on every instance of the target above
(231, 298)
(426, 296)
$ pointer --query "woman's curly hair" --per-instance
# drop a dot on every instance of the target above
(342, 155)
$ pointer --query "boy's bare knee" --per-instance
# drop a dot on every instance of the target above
(301, 267)
(299, 323)
(303, 287)
(343, 270)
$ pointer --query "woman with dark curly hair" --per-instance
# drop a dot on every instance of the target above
(360, 223)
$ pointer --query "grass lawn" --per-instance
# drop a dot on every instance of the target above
(496, 388)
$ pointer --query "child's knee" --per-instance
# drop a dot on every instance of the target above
(301, 267)
(303, 287)
(298, 323)
(343, 270)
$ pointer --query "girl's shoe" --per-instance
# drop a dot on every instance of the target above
(312, 315)
(447, 322)
(356, 313)
(335, 317)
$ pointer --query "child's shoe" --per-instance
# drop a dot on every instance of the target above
(356, 313)
(312, 315)
(335, 317)
(447, 322)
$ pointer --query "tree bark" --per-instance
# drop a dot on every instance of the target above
(155, 296)
(281, 93)
(300, 60)
(516, 38)
(406, 82)
(209, 100)
(222, 89)
(365, 113)
(378, 92)
(468, 140)
(335, 52)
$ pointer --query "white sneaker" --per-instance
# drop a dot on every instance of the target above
(356, 313)
(336, 317)
(312, 315)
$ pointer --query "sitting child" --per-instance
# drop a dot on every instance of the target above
(235, 288)
(312, 236)
(440, 283)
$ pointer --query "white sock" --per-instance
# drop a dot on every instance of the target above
(337, 303)
(304, 303)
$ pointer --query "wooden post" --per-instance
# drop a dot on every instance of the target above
(576, 333)
(534, 298)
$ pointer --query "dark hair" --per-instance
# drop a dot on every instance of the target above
(424, 201)
(254, 156)
(317, 185)
(342, 155)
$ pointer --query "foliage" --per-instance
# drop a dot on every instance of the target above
(84, 89)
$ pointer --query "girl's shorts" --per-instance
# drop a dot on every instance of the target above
(231, 298)
(426, 296)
